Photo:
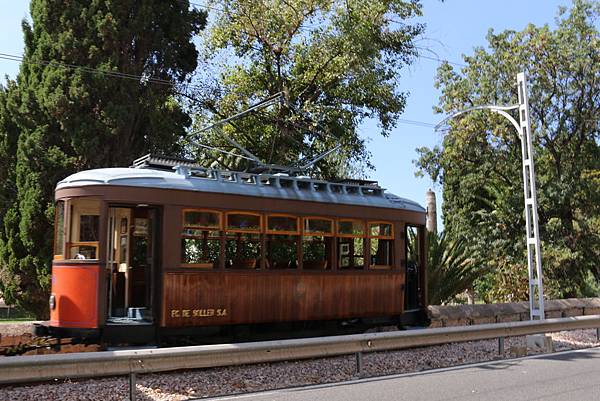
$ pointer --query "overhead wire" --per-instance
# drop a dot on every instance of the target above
(159, 81)
(110, 73)
(141, 78)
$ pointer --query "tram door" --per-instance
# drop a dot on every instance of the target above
(131, 263)
(413, 260)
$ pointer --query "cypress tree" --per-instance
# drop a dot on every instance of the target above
(70, 114)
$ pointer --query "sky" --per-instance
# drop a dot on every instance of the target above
(453, 29)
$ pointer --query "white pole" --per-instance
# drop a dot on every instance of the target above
(534, 253)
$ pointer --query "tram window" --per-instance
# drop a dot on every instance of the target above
(316, 251)
(85, 229)
(351, 228)
(317, 243)
(316, 226)
(282, 251)
(351, 244)
(381, 229)
(243, 222)
(88, 227)
(381, 253)
(82, 252)
(381, 242)
(242, 251)
(59, 230)
(201, 248)
(351, 253)
(282, 224)
(202, 219)
(201, 238)
(283, 234)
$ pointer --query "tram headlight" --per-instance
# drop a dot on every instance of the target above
(52, 302)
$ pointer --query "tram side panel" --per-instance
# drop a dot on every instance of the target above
(221, 297)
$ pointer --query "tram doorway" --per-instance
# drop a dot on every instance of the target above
(413, 267)
(131, 263)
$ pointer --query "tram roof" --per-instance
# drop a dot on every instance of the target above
(279, 186)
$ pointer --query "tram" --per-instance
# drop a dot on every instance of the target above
(166, 247)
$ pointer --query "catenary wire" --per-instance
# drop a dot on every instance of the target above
(117, 74)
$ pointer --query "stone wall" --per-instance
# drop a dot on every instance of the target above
(463, 315)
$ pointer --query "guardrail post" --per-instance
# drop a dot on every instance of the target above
(132, 377)
(500, 345)
(597, 333)
(359, 363)
(131, 386)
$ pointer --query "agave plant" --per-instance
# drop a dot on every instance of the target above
(450, 268)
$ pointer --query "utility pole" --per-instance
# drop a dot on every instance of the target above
(534, 254)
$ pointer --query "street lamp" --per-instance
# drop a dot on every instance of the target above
(523, 127)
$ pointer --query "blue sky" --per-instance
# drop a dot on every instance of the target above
(454, 28)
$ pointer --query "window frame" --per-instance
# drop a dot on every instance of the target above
(260, 230)
(207, 266)
(318, 233)
(259, 258)
(275, 232)
(390, 237)
(93, 244)
(219, 229)
(341, 235)
(203, 228)
(70, 205)
(63, 253)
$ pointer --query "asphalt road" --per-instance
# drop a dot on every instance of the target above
(573, 375)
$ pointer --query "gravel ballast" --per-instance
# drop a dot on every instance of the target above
(203, 383)
(16, 328)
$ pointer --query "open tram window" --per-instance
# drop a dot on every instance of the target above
(201, 248)
(242, 241)
(84, 232)
(242, 251)
(381, 242)
(201, 239)
(317, 243)
(283, 234)
(351, 244)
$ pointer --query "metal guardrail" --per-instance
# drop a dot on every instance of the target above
(37, 368)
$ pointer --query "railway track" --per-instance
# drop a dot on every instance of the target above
(26, 344)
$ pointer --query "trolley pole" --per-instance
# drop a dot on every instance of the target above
(534, 253)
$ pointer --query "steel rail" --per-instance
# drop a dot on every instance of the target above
(37, 368)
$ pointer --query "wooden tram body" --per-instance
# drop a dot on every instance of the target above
(172, 248)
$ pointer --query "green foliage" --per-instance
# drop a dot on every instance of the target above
(479, 164)
(336, 63)
(450, 268)
(57, 120)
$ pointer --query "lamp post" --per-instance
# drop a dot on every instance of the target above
(523, 127)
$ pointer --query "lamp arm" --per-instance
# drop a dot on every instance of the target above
(502, 110)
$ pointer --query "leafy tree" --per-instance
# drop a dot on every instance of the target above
(336, 63)
(479, 165)
(71, 118)
(450, 268)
